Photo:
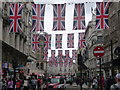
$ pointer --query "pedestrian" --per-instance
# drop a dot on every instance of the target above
(77, 81)
(18, 85)
(95, 83)
(10, 84)
(39, 83)
(116, 86)
(34, 83)
(29, 83)
(109, 82)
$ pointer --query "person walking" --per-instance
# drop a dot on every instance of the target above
(116, 86)
(39, 83)
(10, 84)
(95, 83)
(109, 81)
(34, 83)
(18, 85)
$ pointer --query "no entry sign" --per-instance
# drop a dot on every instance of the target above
(98, 51)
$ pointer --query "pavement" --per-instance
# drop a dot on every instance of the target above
(74, 86)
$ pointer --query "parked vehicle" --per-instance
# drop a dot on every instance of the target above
(56, 82)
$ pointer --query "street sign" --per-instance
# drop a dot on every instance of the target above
(98, 51)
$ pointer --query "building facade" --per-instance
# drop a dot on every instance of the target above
(112, 40)
(16, 46)
(93, 38)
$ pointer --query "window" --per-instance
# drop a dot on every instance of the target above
(99, 39)
(42, 66)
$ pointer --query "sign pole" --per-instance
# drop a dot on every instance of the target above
(100, 74)
(98, 52)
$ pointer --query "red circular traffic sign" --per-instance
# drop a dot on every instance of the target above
(98, 51)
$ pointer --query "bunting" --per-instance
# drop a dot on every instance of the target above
(60, 58)
(67, 58)
(38, 17)
(81, 42)
(102, 15)
(15, 17)
(53, 58)
(45, 54)
(59, 17)
(70, 41)
(79, 17)
(58, 41)
(47, 41)
(35, 42)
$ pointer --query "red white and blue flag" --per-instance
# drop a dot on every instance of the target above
(47, 41)
(60, 58)
(67, 58)
(79, 17)
(70, 40)
(74, 54)
(38, 17)
(35, 42)
(45, 54)
(15, 17)
(53, 58)
(81, 42)
(102, 15)
(58, 41)
(59, 17)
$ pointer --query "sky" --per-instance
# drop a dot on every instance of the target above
(64, 1)
(48, 21)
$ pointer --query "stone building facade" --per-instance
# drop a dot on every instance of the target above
(93, 38)
(16, 47)
(112, 40)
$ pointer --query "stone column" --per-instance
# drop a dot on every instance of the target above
(17, 42)
(1, 38)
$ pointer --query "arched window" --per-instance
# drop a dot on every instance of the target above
(42, 66)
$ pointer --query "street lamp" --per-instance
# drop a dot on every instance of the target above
(47, 66)
(74, 62)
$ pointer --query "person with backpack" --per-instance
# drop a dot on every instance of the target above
(116, 86)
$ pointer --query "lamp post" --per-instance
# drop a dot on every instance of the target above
(46, 67)
(74, 62)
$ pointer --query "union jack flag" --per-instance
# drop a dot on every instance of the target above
(102, 15)
(60, 58)
(47, 41)
(81, 42)
(79, 17)
(67, 58)
(58, 41)
(50, 62)
(15, 17)
(45, 54)
(70, 41)
(74, 54)
(38, 17)
(53, 58)
(59, 17)
(35, 42)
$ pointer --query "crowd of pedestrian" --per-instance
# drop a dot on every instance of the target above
(22, 84)
(33, 83)
(99, 83)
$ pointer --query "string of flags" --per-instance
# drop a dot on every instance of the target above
(59, 13)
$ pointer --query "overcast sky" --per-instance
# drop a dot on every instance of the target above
(64, 1)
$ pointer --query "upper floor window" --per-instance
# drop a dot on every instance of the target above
(99, 39)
